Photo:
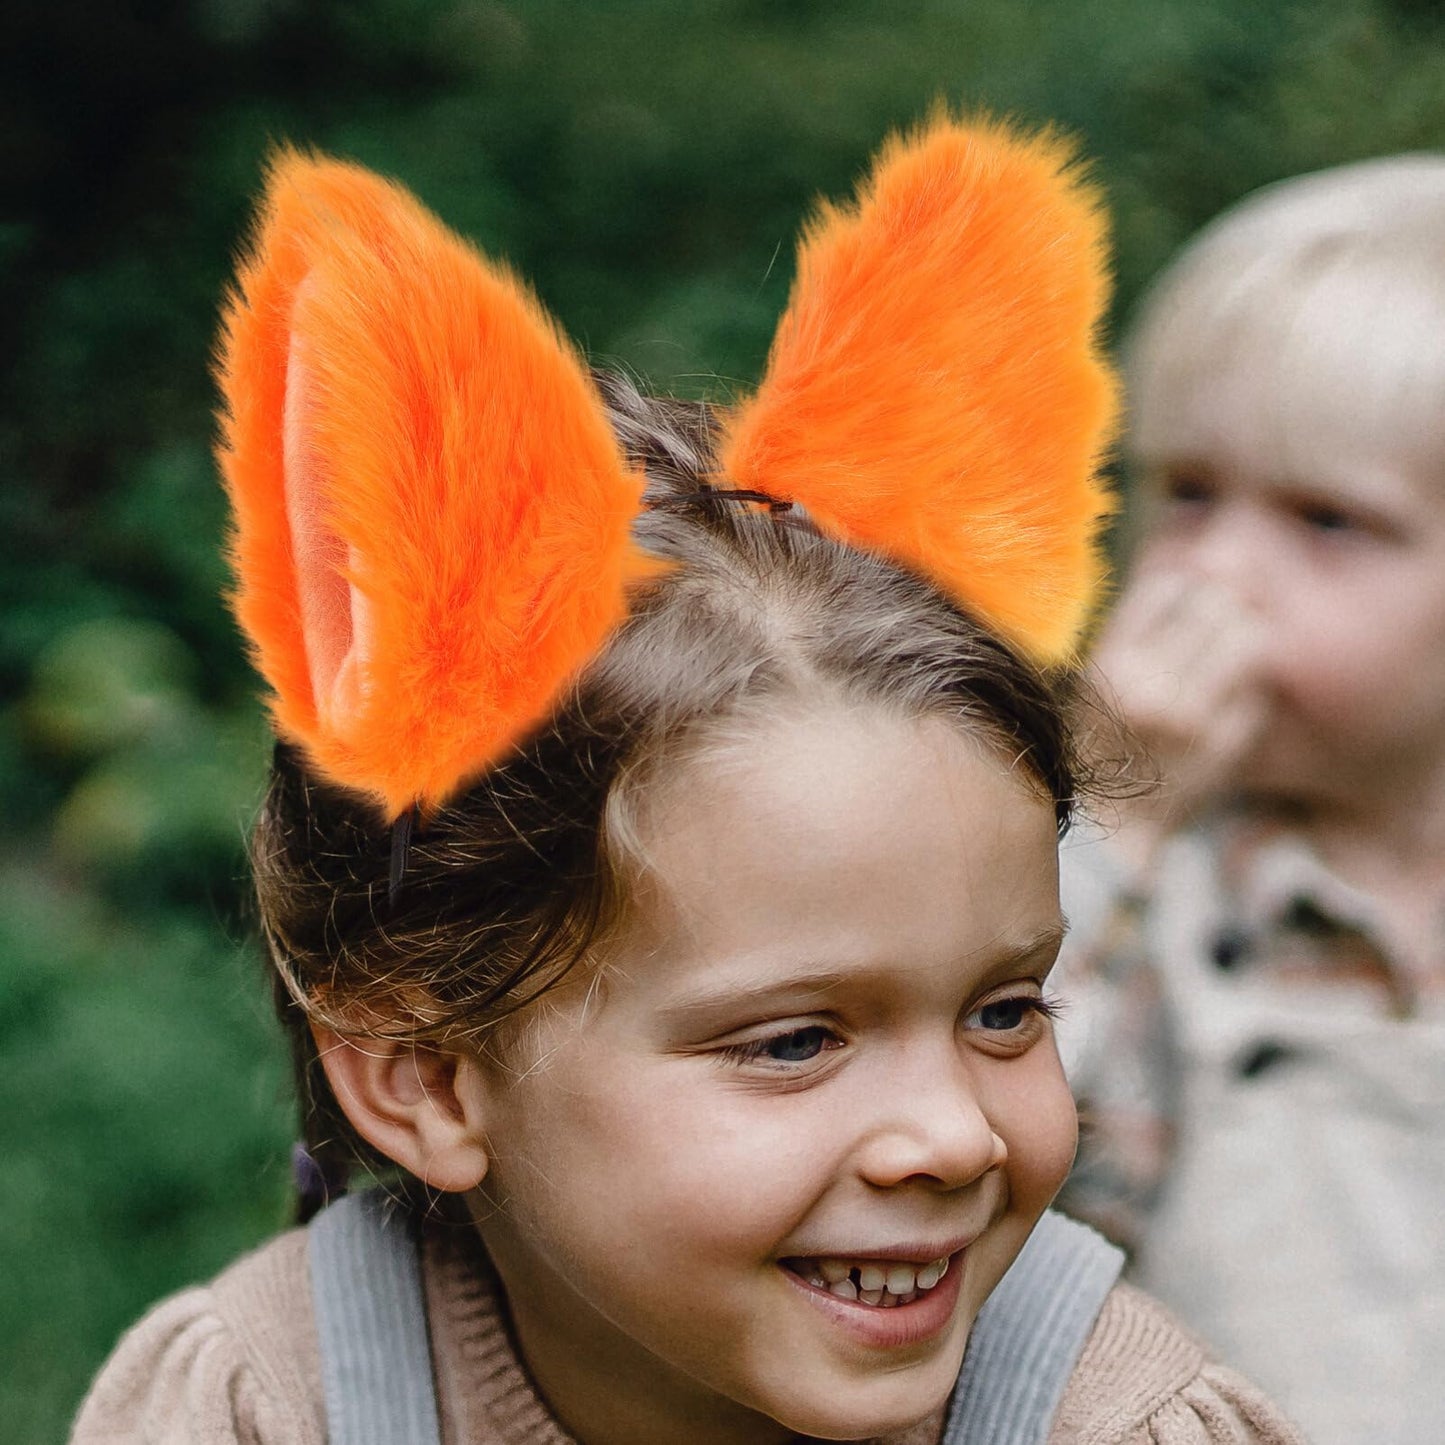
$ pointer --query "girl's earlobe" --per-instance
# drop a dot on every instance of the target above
(421, 1106)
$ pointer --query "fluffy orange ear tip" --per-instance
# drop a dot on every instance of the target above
(936, 390)
(431, 515)
(432, 518)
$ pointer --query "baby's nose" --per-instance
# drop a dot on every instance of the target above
(1233, 558)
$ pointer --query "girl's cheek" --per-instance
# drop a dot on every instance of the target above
(1043, 1132)
(1057, 1157)
(1065, 1145)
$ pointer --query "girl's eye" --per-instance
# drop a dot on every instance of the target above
(1012, 1014)
(796, 1046)
(1006, 1013)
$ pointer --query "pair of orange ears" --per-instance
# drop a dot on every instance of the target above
(432, 518)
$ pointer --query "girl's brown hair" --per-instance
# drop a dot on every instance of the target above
(514, 881)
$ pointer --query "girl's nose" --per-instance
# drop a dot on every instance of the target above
(935, 1132)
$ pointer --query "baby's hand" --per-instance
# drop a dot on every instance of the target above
(1182, 658)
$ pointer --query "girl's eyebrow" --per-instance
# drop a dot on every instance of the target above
(724, 997)
(727, 997)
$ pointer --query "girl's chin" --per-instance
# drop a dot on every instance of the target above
(888, 1385)
(869, 1421)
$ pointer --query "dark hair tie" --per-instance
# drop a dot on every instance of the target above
(401, 834)
(707, 493)
(316, 1184)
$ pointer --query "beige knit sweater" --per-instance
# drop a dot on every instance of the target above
(235, 1362)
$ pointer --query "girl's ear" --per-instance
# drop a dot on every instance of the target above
(431, 514)
(424, 1108)
(936, 389)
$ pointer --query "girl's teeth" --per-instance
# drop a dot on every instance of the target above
(900, 1279)
(874, 1284)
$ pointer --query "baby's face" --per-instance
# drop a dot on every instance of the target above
(814, 1067)
(1343, 570)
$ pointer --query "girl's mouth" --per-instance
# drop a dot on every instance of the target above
(882, 1304)
(882, 1284)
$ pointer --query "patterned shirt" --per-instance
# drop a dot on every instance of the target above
(1259, 1057)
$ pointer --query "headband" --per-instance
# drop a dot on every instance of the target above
(432, 517)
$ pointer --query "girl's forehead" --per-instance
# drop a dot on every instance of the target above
(840, 846)
(835, 774)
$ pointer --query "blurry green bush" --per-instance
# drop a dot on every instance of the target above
(646, 164)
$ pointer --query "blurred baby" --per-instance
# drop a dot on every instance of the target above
(1260, 944)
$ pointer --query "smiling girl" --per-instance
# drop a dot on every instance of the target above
(660, 858)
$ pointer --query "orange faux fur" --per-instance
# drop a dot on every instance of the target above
(935, 389)
(432, 516)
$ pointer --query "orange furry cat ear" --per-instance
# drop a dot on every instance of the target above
(431, 514)
(935, 391)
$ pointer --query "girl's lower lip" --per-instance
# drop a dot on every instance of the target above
(890, 1329)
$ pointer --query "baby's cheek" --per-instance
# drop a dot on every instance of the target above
(1332, 687)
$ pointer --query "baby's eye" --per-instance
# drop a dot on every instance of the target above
(1186, 486)
(1324, 518)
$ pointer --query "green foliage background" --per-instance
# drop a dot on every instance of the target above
(646, 163)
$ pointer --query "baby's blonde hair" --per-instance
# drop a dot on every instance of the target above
(1323, 295)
